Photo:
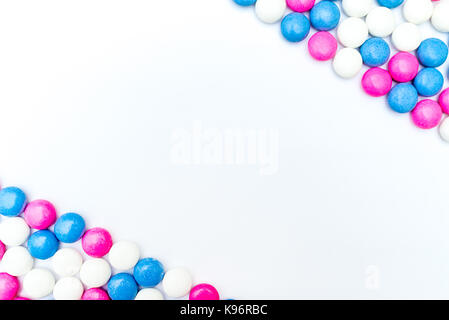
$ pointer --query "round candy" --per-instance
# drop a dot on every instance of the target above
(322, 46)
(40, 214)
(381, 22)
(406, 37)
(204, 291)
(295, 27)
(67, 262)
(352, 32)
(325, 16)
(347, 63)
(2, 250)
(38, 283)
(14, 231)
(245, 3)
(357, 8)
(417, 11)
(403, 67)
(403, 98)
(148, 272)
(444, 101)
(95, 294)
(432, 53)
(390, 3)
(439, 17)
(124, 255)
(95, 273)
(377, 82)
(444, 130)
(17, 261)
(96, 242)
(427, 114)
(122, 286)
(43, 244)
(149, 294)
(177, 282)
(68, 288)
(429, 82)
(69, 227)
(12, 201)
(300, 5)
(375, 52)
(9, 286)
(270, 11)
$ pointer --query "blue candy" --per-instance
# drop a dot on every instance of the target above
(12, 201)
(375, 52)
(245, 3)
(43, 244)
(429, 82)
(122, 286)
(432, 52)
(295, 27)
(69, 227)
(148, 272)
(325, 16)
(390, 3)
(403, 98)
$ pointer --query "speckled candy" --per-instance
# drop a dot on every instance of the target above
(300, 5)
(444, 101)
(427, 114)
(204, 291)
(377, 82)
(403, 67)
(96, 242)
(9, 286)
(40, 214)
(322, 46)
(95, 294)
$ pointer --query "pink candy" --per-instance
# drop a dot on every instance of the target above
(96, 242)
(95, 294)
(300, 5)
(2, 250)
(21, 298)
(377, 82)
(403, 67)
(204, 291)
(427, 114)
(9, 286)
(444, 101)
(40, 214)
(322, 46)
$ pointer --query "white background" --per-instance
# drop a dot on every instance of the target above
(92, 91)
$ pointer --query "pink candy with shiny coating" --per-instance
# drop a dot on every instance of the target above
(9, 286)
(2, 250)
(300, 5)
(204, 291)
(21, 298)
(403, 67)
(322, 46)
(95, 294)
(40, 214)
(444, 101)
(377, 82)
(96, 242)
(427, 114)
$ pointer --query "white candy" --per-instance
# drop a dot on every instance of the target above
(149, 294)
(381, 22)
(406, 37)
(124, 255)
(67, 262)
(270, 11)
(357, 8)
(417, 11)
(347, 63)
(14, 231)
(95, 273)
(352, 32)
(444, 130)
(17, 261)
(177, 282)
(440, 17)
(68, 288)
(38, 283)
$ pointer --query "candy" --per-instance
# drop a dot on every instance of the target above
(390, 3)
(428, 82)
(14, 231)
(177, 282)
(377, 82)
(375, 52)
(9, 286)
(95, 294)
(347, 63)
(352, 32)
(444, 130)
(40, 214)
(403, 67)
(295, 27)
(427, 114)
(67, 262)
(322, 46)
(2, 250)
(204, 291)
(245, 3)
(417, 11)
(122, 286)
(325, 16)
(12, 201)
(149, 294)
(432, 52)
(96, 242)
(440, 16)
(148, 272)
(21, 298)
(357, 8)
(124, 255)
(43, 244)
(406, 37)
(17, 261)
(38, 283)
(300, 5)
(444, 101)
(270, 11)
(381, 22)
(95, 273)
(69, 227)
(403, 98)
(68, 288)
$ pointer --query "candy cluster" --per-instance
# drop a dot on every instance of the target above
(368, 32)
(31, 231)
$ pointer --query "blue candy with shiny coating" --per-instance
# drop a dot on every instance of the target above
(12, 201)
(325, 16)
(122, 286)
(403, 98)
(69, 227)
(148, 272)
(390, 3)
(295, 27)
(432, 52)
(245, 3)
(429, 82)
(43, 244)
(375, 52)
